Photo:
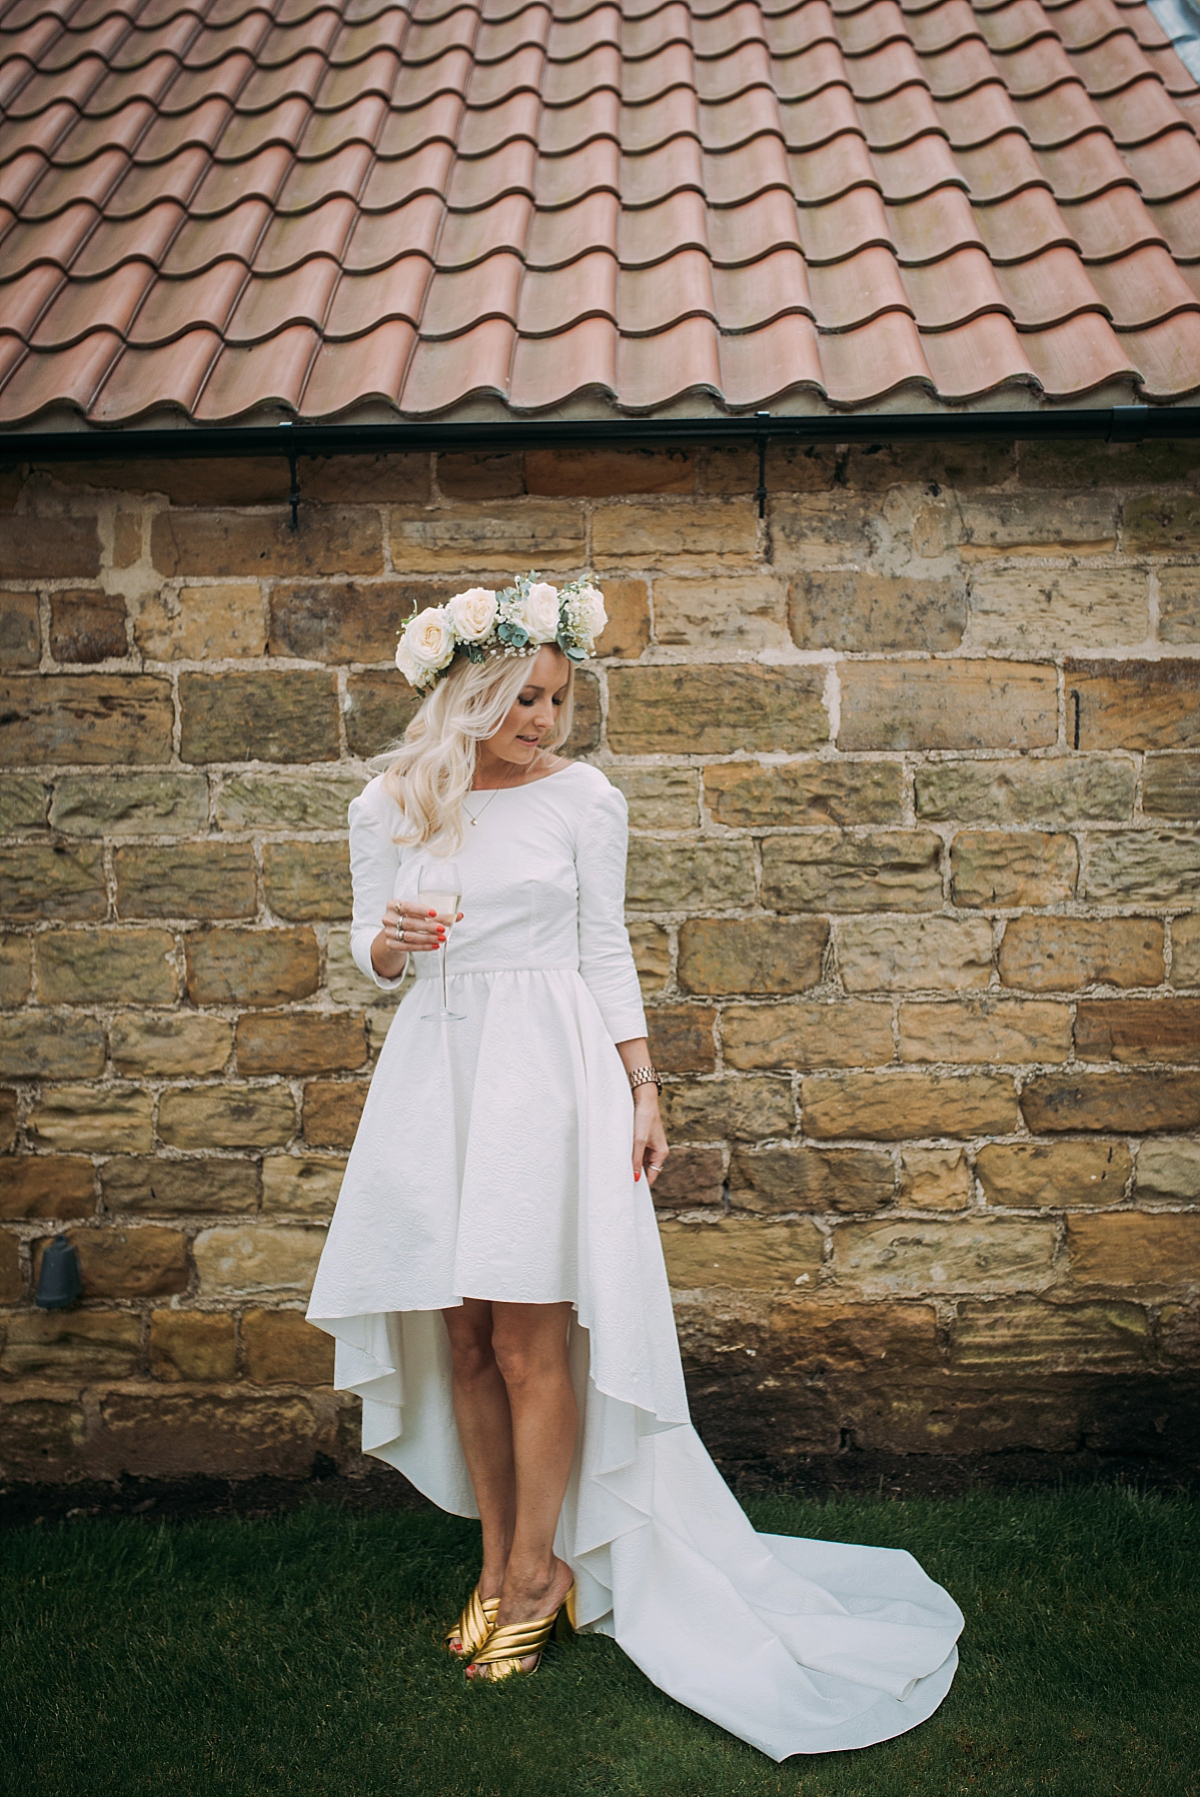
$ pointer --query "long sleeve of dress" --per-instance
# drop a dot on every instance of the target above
(374, 859)
(605, 957)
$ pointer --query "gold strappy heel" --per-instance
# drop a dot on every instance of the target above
(474, 1625)
(506, 1647)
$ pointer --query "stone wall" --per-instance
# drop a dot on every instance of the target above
(912, 767)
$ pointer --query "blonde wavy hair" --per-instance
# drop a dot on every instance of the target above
(431, 770)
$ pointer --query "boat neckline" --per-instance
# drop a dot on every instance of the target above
(526, 784)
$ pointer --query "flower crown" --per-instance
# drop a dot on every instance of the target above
(517, 621)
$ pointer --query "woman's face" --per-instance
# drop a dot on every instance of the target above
(535, 710)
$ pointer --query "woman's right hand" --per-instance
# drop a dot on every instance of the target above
(408, 929)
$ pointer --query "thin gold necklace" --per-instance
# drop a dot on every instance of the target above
(501, 788)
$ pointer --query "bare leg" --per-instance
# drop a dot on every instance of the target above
(481, 1412)
(529, 1345)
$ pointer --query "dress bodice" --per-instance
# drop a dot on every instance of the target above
(543, 878)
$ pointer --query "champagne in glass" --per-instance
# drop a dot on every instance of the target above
(439, 889)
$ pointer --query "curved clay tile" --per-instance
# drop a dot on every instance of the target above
(747, 298)
(148, 186)
(1077, 357)
(203, 128)
(1025, 224)
(498, 39)
(863, 29)
(720, 34)
(849, 294)
(270, 304)
(927, 229)
(62, 187)
(959, 69)
(657, 232)
(984, 356)
(1168, 356)
(191, 88)
(146, 235)
(379, 74)
(801, 76)
(200, 243)
(342, 375)
(393, 183)
(741, 175)
(946, 294)
(486, 179)
(916, 169)
(362, 301)
(1083, 24)
(645, 128)
(107, 304)
(456, 303)
(442, 374)
(843, 227)
(288, 241)
(900, 117)
(227, 184)
(1085, 167)
(490, 83)
(1142, 288)
(271, 373)
(23, 301)
(935, 28)
(1112, 66)
(44, 133)
(209, 45)
(823, 175)
(885, 355)
(650, 300)
(172, 309)
(792, 32)
(724, 78)
(406, 132)
(55, 240)
(309, 183)
(557, 239)
(569, 39)
(1004, 167)
(553, 302)
(566, 83)
(1178, 220)
(1140, 113)
(563, 180)
(24, 94)
(19, 178)
(356, 40)
(549, 370)
(484, 130)
(762, 365)
(1178, 80)
(807, 124)
(1111, 225)
(884, 71)
(979, 118)
(381, 238)
(89, 137)
(566, 128)
(69, 377)
(645, 180)
(653, 371)
(467, 237)
(426, 41)
(738, 235)
(659, 26)
(1048, 289)
(320, 133)
(1037, 67)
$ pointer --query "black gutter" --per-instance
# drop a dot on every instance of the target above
(1114, 424)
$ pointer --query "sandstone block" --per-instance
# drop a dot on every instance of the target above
(790, 1178)
(1138, 1029)
(726, 954)
(90, 1119)
(301, 1186)
(627, 632)
(130, 804)
(16, 969)
(344, 622)
(22, 803)
(307, 880)
(1129, 867)
(1026, 792)
(873, 467)
(171, 1434)
(186, 480)
(1053, 1175)
(495, 474)
(827, 870)
(1034, 523)
(11, 1283)
(87, 967)
(681, 1037)
(1012, 1334)
(233, 544)
(651, 954)
(162, 1188)
(1185, 951)
(80, 1346)
(980, 1254)
(1179, 1333)
(1123, 1103)
(193, 1345)
(709, 530)
(253, 1260)
(741, 1252)
(1012, 867)
(743, 1110)
(985, 1030)
(186, 879)
(1091, 463)
(37, 1045)
(685, 876)
(251, 967)
(715, 710)
(660, 798)
(1171, 786)
(692, 1177)
(1136, 704)
(742, 794)
(167, 1044)
(1178, 605)
(282, 1349)
(8, 1119)
(934, 1179)
(59, 882)
(278, 801)
(209, 623)
(1161, 522)
(296, 1044)
(850, 610)
(87, 626)
(259, 717)
(888, 1107)
(604, 473)
(332, 1109)
(378, 710)
(47, 1185)
(948, 705)
(38, 548)
(1067, 609)
(116, 1262)
(366, 479)
(822, 530)
(1168, 1173)
(914, 954)
(20, 632)
(42, 1438)
(1057, 954)
(738, 615)
(853, 1338)
(585, 730)
(1155, 1255)
(92, 719)
(490, 540)
(813, 1033)
(227, 1116)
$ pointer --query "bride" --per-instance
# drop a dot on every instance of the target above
(493, 1275)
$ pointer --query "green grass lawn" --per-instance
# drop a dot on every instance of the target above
(301, 1654)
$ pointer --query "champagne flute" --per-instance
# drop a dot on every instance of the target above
(439, 889)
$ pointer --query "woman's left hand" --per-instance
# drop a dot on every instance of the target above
(650, 1148)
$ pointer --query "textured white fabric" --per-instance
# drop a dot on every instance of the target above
(493, 1161)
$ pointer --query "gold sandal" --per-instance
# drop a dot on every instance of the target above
(474, 1625)
(506, 1647)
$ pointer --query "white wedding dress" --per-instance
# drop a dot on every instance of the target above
(493, 1161)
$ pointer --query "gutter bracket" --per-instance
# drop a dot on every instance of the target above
(1128, 424)
(760, 492)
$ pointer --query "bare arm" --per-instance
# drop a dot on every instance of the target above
(649, 1138)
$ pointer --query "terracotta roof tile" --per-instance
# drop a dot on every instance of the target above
(313, 205)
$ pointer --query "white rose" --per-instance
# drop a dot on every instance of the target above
(538, 612)
(588, 616)
(473, 613)
(407, 663)
(429, 638)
